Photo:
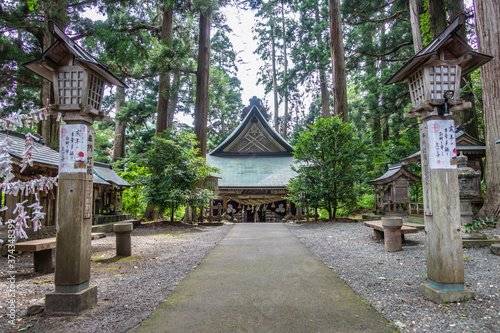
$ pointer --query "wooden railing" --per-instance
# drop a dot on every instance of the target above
(416, 208)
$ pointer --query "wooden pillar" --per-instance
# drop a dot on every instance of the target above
(73, 294)
(445, 263)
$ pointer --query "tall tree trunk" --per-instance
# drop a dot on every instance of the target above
(468, 117)
(120, 126)
(323, 84)
(488, 37)
(203, 72)
(338, 61)
(174, 97)
(275, 79)
(416, 9)
(164, 85)
(285, 72)
(437, 17)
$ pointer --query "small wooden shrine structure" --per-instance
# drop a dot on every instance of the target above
(255, 164)
(108, 190)
(392, 189)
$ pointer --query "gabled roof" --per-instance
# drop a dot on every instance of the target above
(105, 172)
(254, 137)
(454, 44)
(40, 155)
(395, 171)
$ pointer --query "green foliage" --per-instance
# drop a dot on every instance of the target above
(330, 159)
(134, 201)
(174, 171)
(425, 26)
(480, 223)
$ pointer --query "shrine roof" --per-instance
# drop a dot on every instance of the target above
(256, 171)
(99, 180)
(395, 171)
(253, 155)
(41, 154)
(253, 137)
(105, 172)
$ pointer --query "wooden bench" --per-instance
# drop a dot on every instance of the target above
(42, 252)
(378, 229)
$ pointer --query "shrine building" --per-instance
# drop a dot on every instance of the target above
(255, 164)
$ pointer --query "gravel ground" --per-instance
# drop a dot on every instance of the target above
(128, 290)
(390, 281)
(164, 254)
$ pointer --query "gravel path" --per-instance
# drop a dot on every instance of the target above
(128, 291)
(390, 281)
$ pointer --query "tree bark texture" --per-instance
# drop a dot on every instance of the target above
(275, 84)
(120, 126)
(437, 17)
(164, 84)
(467, 117)
(325, 98)
(338, 61)
(174, 97)
(416, 9)
(488, 37)
(285, 70)
(202, 81)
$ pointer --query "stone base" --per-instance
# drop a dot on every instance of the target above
(70, 304)
(448, 296)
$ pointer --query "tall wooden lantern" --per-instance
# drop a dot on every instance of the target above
(78, 80)
(434, 77)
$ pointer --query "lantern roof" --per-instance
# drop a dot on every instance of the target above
(454, 44)
(46, 64)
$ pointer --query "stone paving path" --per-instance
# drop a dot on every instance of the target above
(261, 278)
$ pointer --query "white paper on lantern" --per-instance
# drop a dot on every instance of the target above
(442, 144)
(73, 148)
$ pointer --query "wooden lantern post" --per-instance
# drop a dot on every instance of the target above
(79, 82)
(434, 76)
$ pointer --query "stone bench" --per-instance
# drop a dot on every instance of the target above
(42, 252)
(378, 229)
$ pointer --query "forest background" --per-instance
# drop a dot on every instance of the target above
(160, 50)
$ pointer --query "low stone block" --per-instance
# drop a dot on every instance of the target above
(495, 249)
(442, 297)
(70, 304)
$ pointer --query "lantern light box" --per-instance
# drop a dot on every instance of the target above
(78, 78)
(438, 68)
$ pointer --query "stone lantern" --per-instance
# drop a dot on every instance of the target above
(467, 183)
(434, 75)
(79, 81)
